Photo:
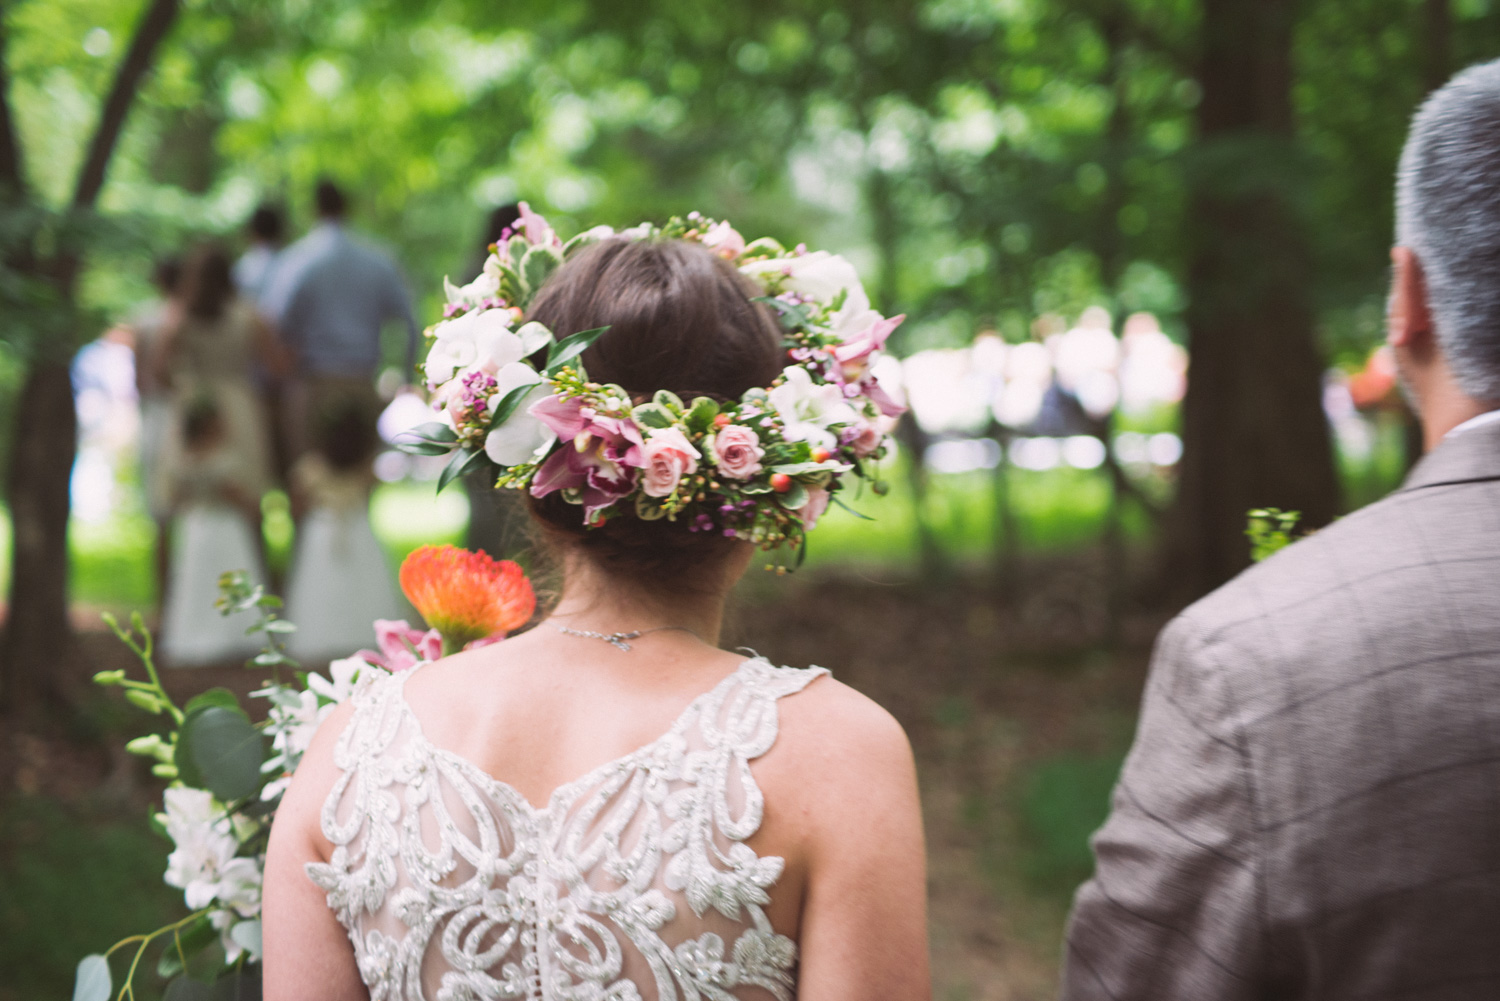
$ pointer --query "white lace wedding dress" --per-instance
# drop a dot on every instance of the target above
(633, 882)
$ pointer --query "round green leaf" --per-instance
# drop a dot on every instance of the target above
(226, 750)
(92, 982)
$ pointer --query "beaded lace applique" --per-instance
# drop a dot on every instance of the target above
(634, 882)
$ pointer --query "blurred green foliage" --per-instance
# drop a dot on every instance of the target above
(981, 160)
(70, 879)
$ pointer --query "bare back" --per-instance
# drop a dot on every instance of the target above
(528, 819)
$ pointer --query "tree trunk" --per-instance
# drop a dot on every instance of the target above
(37, 646)
(38, 642)
(1254, 431)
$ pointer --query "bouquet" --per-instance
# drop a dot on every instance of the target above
(226, 775)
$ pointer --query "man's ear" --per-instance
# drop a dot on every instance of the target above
(1409, 322)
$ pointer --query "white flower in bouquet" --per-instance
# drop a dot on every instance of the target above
(808, 410)
(479, 291)
(204, 865)
(518, 439)
(481, 339)
(818, 275)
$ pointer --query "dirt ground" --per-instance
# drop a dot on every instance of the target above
(1005, 702)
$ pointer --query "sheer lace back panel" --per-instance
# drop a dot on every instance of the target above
(634, 882)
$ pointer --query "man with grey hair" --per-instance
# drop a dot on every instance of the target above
(1312, 805)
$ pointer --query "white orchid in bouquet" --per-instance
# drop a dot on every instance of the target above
(227, 774)
(516, 402)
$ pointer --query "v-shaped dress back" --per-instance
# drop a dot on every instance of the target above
(634, 882)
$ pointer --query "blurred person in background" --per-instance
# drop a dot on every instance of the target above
(216, 521)
(265, 230)
(210, 343)
(145, 326)
(340, 579)
(1309, 809)
(329, 297)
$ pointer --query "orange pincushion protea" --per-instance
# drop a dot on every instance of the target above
(465, 595)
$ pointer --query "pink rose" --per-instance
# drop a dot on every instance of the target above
(864, 438)
(669, 456)
(737, 451)
(817, 503)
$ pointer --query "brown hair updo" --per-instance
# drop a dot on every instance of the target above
(680, 319)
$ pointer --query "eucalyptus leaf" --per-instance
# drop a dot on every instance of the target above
(226, 750)
(463, 460)
(572, 346)
(221, 697)
(280, 626)
(92, 982)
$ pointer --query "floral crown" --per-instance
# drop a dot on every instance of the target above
(762, 469)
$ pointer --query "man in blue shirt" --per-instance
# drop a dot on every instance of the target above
(329, 296)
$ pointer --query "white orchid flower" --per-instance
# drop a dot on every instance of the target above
(479, 338)
(485, 286)
(522, 435)
(818, 275)
(808, 410)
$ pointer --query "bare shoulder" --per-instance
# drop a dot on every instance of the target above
(836, 747)
(298, 816)
(828, 714)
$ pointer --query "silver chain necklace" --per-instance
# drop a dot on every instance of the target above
(618, 640)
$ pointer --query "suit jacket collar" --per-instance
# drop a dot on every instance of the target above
(1469, 457)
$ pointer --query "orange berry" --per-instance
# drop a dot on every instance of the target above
(781, 482)
(820, 454)
(722, 420)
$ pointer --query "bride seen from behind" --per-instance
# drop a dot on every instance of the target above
(573, 813)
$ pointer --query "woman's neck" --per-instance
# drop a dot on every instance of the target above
(595, 602)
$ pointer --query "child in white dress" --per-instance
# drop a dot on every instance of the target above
(213, 511)
(340, 582)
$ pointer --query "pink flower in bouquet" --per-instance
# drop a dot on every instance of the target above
(536, 229)
(466, 596)
(817, 503)
(722, 239)
(601, 461)
(737, 451)
(669, 456)
(402, 646)
(854, 354)
(863, 437)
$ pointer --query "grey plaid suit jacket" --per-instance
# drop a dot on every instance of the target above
(1311, 808)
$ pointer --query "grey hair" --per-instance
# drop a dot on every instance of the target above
(1448, 214)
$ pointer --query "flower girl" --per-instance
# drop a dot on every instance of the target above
(215, 515)
(339, 580)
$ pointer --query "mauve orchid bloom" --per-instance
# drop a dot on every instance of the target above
(855, 353)
(600, 464)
